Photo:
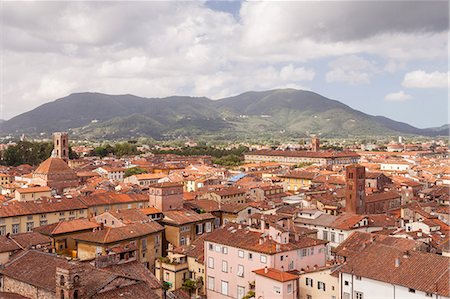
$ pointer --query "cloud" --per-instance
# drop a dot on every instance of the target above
(422, 79)
(351, 69)
(398, 96)
(161, 48)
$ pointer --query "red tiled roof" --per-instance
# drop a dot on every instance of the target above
(67, 226)
(244, 238)
(114, 234)
(426, 272)
(53, 166)
(45, 205)
(275, 274)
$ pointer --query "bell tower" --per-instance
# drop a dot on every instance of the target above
(69, 282)
(355, 197)
(315, 144)
(61, 145)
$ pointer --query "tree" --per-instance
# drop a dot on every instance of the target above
(26, 152)
(189, 285)
(134, 170)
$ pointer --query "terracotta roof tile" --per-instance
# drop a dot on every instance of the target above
(275, 274)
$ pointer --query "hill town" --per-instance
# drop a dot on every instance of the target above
(283, 222)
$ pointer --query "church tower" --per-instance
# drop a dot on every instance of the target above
(61, 145)
(355, 197)
(69, 284)
(315, 144)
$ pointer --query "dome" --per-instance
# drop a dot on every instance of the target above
(53, 166)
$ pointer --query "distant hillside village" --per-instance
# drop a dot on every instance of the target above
(311, 223)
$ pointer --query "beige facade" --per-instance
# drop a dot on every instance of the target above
(26, 223)
(318, 283)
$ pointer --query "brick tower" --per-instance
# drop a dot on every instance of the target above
(315, 144)
(355, 195)
(61, 145)
(166, 196)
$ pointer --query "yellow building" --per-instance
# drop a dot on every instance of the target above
(6, 179)
(23, 216)
(184, 226)
(32, 193)
(144, 238)
(298, 180)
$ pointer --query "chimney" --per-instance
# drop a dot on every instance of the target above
(277, 247)
(397, 262)
(261, 240)
(266, 269)
(239, 226)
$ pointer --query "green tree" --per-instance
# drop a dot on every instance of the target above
(134, 170)
(190, 286)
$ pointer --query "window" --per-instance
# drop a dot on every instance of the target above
(182, 241)
(225, 266)
(429, 294)
(325, 235)
(346, 282)
(341, 238)
(61, 213)
(250, 256)
(43, 222)
(289, 288)
(240, 253)
(224, 287)
(15, 228)
(320, 285)
(225, 250)
(199, 229)
(185, 228)
(157, 240)
(211, 283)
(311, 251)
(263, 259)
(333, 237)
(281, 258)
(144, 244)
(358, 277)
(309, 281)
(217, 248)
(2, 230)
(276, 290)
(411, 290)
(30, 226)
(240, 292)
(208, 227)
(359, 295)
(210, 262)
(240, 271)
(29, 218)
(211, 246)
(346, 296)
(43, 215)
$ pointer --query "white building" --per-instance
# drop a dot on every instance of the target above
(386, 272)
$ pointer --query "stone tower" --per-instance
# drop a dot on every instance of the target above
(315, 144)
(69, 281)
(355, 195)
(61, 145)
(166, 196)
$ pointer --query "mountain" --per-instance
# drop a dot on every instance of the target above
(270, 113)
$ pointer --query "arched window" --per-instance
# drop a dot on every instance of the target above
(61, 295)
(75, 294)
(76, 279)
(62, 280)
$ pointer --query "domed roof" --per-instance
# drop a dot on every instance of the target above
(52, 166)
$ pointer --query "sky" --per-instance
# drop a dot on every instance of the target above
(382, 58)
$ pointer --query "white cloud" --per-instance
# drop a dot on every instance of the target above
(422, 79)
(351, 69)
(162, 48)
(398, 96)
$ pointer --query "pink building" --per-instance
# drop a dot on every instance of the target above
(234, 251)
(273, 283)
